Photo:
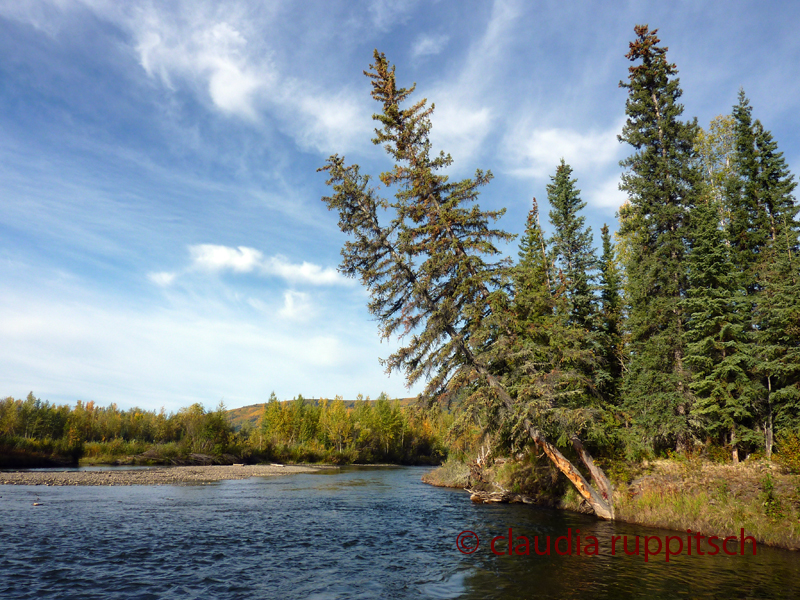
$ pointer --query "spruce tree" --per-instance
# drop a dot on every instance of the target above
(763, 233)
(778, 345)
(660, 180)
(610, 377)
(776, 184)
(777, 314)
(748, 226)
(576, 365)
(553, 359)
(718, 350)
(532, 274)
(572, 244)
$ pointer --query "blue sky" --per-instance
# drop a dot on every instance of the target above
(162, 239)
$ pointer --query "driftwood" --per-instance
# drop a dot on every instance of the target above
(499, 497)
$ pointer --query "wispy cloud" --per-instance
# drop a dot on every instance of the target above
(249, 260)
(163, 278)
(606, 194)
(464, 118)
(387, 13)
(428, 45)
(460, 127)
(533, 152)
(296, 306)
(225, 56)
(203, 47)
(240, 78)
(214, 52)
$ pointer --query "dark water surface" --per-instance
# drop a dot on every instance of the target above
(354, 533)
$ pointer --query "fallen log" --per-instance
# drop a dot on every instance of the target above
(479, 497)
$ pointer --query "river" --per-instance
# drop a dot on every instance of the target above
(352, 533)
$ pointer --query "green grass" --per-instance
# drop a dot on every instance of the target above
(717, 500)
(453, 473)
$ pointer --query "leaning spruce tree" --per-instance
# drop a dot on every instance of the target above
(431, 271)
(660, 180)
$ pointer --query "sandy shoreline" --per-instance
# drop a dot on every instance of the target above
(149, 476)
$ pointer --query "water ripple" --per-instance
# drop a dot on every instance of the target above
(362, 533)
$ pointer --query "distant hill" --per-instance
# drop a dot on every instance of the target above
(246, 414)
(252, 413)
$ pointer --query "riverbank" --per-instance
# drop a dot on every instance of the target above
(150, 476)
(715, 499)
(706, 497)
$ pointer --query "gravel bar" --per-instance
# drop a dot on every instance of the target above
(149, 476)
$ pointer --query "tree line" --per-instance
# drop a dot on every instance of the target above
(369, 432)
(42, 428)
(683, 335)
(297, 430)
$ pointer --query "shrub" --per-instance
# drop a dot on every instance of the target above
(788, 454)
(719, 454)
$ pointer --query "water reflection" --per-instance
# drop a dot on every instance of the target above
(770, 574)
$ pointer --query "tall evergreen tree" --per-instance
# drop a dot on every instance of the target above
(660, 180)
(778, 345)
(764, 233)
(777, 320)
(532, 274)
(552, 357)
(572, 244)
(717, 350)
(748, 226)
(430, 271)
(610, 320)
(776, 184)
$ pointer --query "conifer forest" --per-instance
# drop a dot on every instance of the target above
(682, 336)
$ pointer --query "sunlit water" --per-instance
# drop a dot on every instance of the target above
(355, 533)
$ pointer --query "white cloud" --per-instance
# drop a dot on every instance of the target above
(607, 194)
(327, 122)
(211, 52)
(532, 152)
(459, 129)
(428, 45)
(212, 257)
(386, 13)
(296, 306)
(69, 348)
(224, 53)
(490, 47)
(163, 278)
(305, 272)
(231, 89)
(223, 57)
(463, 118)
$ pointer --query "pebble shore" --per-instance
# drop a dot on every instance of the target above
(149, 476)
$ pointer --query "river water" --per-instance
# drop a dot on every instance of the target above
(351, 533)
